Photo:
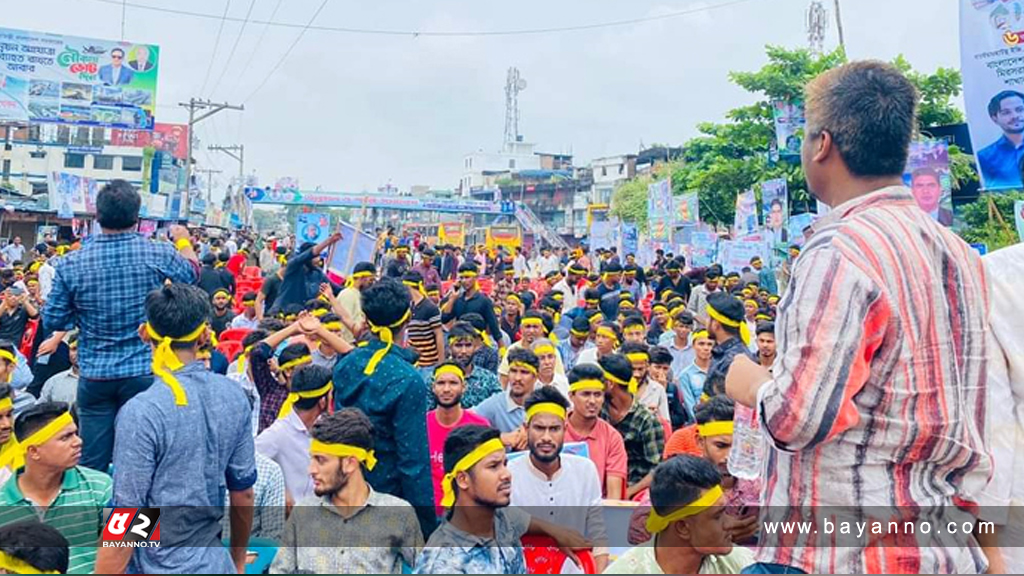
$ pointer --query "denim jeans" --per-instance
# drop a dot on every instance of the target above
(97, 403)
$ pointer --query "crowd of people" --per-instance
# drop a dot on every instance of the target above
(443, 411)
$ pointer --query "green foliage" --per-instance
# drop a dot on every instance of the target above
(983, 226)
(629, 202)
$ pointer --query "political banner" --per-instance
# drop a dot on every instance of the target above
(797, 224)
(735, 255)
(992, 64)
(147, 228)
(659, 210)
(775, 206)
(630, 239)
(312, 227)
(1018, 214)
(169, 138)
(687, 209)
(453, 233)
(927, 175)
(71, 80)
(604, 234)
(703, 248)
(789, 126)
(291, 196)
(746, 213)
(354, 247)
(70, 194)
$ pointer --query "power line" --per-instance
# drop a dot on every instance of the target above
(417, 33)
(216, 44)
(252, 54)
(234, 47)
(286, 53)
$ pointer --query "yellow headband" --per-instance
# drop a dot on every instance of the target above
(676, 310)
(364, 274)
(546, 408)
(449, 369)
(433, 292)
(586, 385)
(545, 349)
(296, 362)
(633, 329)
(596, 318)
(608, 333)
(294, 397)
(627, 304)
(532, 322)
(8, 356)
(417, 285)
(221, 291)
(385, 335)
(631, 386)
(592, 301)
(659, 307)
(725, 321)
(367, 457)
(46, 433)
(319, 312)
(657, 523)
(579, 333)
(164, 357)
(468, 461)
(524, 366)
(515, 297)
(6, 403)
(639, 357)
(701, 335)
(336, 325)
(14, 565)
(720, 428)
(468, 274)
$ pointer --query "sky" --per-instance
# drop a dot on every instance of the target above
(353, 112)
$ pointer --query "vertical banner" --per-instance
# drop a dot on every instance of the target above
(927, 175)
(992, 64)
(775, 205)
(703, 248)
(630, 240)
(687, 209)
(789, 125)
(797, 224)
(312, 227)
(746, 213)
(659, 210)
(1018, 214)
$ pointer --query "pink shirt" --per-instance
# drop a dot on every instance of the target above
(607, 451)
(436, 435)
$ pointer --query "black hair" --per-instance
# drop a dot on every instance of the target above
(463, 329)
(544, 394)
(270, 325)
(8, 346)
(316, 304)
(412, 276)
(291, 309)
(176, 310)
(364, 267)
(765, 327)
(719, 408)
(37, 416)
(548, 324)
(292, 352)
(209, 259)
(223, 256)
(581, 324)
(310, 377)
(468, 267)
(679, 481)
(249, 296)
(660, 355)
(39, 545)
(253, 337)
(634, 320)
(613, 268)
(463, 440)
(475, 320)
(432, 287)
(5, 390)
(617, 365)
(585, 372)
(347, 426)
(634, 347)
(117, 205)
(525, 356)
(386, 302)
(591, 294)
(996, 103)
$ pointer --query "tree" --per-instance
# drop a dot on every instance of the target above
(989, 220)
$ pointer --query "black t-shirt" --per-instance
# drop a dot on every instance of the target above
(221, 323)
(12, 325)
(271, 288)
(211, 280)
(681, 286)
(479, 304)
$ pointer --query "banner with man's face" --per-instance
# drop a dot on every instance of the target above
(929, 179)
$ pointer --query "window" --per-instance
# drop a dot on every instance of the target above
(103, 162)
(512, 164)
(82, 136)
(74, 160)
(131, 163)
(604, 170)
(621, 168)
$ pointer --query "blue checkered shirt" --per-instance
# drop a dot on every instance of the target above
(102, 289)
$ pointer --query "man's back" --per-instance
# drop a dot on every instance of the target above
(879, 392)
(102, 289)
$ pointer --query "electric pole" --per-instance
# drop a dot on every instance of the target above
(839, 26)
(236, 151)
(208, 109)
(209, 181)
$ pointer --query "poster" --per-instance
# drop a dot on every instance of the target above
(687, 209)
(46, 232)
(735, 255)
(354, 247)
(630, 239)
(703, 248)
(992, 64)
(659, 210)
(70, 194)
(789, 128)
(746, 213)
(775, 207)
(147, 228)
(312, 227)
(927, 175)
(1018, 214)
(453, 233)
(71, 80)
(797, 224)
(169, 138)
(604, 234)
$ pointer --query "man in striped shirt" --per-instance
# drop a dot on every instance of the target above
(424, 332)
(876, 405)
(53, 488)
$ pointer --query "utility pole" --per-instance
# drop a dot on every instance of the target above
(839, 26)
(236, 151)
(209, 181)
(208, 109)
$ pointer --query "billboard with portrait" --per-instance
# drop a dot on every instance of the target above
(992, 64)
(170, 138)
(311, 227)
(789, 127)
(746, 213)
(71, 80)
(927, 175)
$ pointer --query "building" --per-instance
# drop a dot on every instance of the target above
(483, 169)
(608, 173)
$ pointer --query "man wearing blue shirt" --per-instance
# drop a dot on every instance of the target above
(1000, 160)
(179, 445)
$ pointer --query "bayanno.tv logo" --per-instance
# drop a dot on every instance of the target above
(132, 528)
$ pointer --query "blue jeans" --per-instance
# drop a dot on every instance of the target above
(97, 403)
(765, 568)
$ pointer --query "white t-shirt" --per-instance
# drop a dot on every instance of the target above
(654, 396)
(560, 382)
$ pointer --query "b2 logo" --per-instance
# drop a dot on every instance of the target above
(133, 525)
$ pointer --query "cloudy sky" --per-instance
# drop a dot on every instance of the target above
(350, 111)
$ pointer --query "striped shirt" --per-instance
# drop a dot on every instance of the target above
(877, 408)
(426, 319)
(77, 512)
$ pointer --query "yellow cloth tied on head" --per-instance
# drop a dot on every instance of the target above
(524, 366)
(10, 358)
(546, 408)
(351, 279)
(295, 363)
(468, 461)
(417, 285)
(657, 523)
(719, 428)
(367, 457)
(631, 385)
(586, 385)
(386, 336)
(545, 349)
(243, 358)
(532, 321)
(12, 565)
(319, 312)
(726, 321)
(165, 361)
(638, 357)
(608, 333)
(293, 397)
(449, 369)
